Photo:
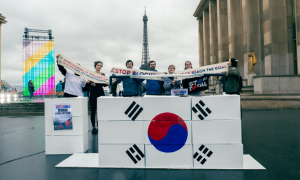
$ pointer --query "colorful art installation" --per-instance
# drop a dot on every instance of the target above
(39, 66)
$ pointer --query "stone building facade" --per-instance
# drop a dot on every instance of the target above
(228, 28)
(2, 21)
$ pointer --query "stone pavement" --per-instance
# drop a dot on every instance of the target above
(271, 137)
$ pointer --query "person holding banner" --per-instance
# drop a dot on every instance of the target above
(170, 82)
(194, 85)
(232, 77)
(131, 86)
(153, 86)
(96, 90)
(74, 82)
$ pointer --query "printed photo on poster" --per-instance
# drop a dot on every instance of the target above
(62, 116)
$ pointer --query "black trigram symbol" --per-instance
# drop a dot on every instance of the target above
(135, 158)
(133, 112)
(202, 111)
(201, 158)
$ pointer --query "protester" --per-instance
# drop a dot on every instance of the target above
(96, 90)
(30, 89)
(232, 77)
(15, 91)
(74, 82)
(59, 89)
(131, 86)
(191, 83)
(170, 82)
(153, 86)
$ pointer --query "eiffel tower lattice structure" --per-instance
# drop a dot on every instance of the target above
(145, 54)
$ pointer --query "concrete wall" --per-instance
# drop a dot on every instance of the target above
(276, 84)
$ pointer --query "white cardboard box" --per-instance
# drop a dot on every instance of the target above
(154, 106)
(127, 156)
(164, 133)
(79, 105)
(218, 156)
(80, 127)
(178, 159)
(216, 107)
(121, 132)
(216, 131)
(120, 108)
(66, 144)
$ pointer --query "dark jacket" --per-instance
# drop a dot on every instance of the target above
(232, 80)
(153, 87)
(131, 86)
(168, 85)
(30, 87)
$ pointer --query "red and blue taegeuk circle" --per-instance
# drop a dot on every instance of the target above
(167, 132)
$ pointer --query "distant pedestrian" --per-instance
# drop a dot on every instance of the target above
(30, 89)
(2, 86)
(59, 89)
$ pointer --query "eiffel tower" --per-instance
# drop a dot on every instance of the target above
(145, 54)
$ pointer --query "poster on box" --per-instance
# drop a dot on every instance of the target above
(179, 92)
(62, 116)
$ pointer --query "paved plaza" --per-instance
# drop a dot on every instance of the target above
(271, 137)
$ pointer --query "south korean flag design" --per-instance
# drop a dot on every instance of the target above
(202, 154)
(216, 108)
(218, 156)
(120, 109)
(134, 110)
(135, 154)
(167, 129)
(200, 108)
(122, 155)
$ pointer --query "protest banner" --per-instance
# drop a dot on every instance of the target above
(196, 84)
(189, 73)
(82, 71)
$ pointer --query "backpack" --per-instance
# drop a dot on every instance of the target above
(240, 84)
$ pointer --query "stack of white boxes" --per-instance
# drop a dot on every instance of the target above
(213, 132)
(180, 106)
(120, 138)
(217, 139)
(67, 141)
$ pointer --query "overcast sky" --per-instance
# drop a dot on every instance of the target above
(108, 30)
